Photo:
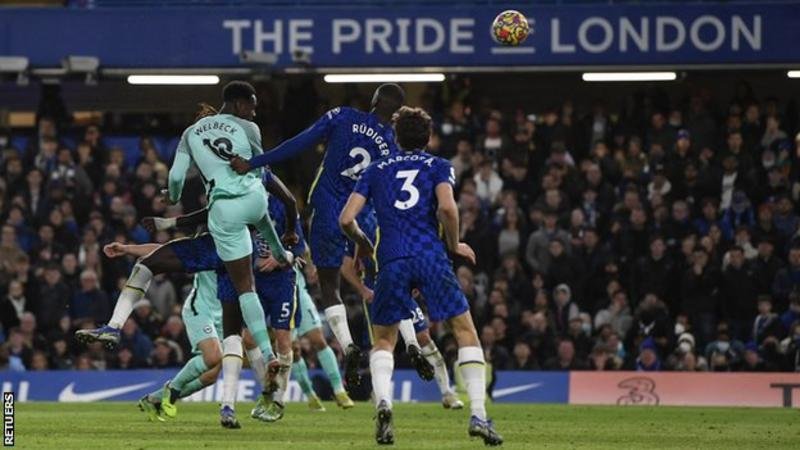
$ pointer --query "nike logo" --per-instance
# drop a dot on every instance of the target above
(497, 393)
(69, 394)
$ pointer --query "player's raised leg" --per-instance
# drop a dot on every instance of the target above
(159, 259)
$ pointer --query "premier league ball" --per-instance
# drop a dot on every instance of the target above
(510, 28)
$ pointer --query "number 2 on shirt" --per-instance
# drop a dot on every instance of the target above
(355, 171)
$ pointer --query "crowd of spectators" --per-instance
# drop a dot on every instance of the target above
(664, 236)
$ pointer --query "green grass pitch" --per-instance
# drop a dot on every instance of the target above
(417, 426)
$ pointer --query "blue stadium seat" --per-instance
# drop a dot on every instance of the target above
(20, 143)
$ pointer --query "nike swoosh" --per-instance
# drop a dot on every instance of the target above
(69, 394)
(497, 393)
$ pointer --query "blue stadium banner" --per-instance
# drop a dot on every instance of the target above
(400, 36)
(130, 385)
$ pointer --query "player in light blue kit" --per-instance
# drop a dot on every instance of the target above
(276, 294)
(353, 140)
(412, 193)
(234, 203)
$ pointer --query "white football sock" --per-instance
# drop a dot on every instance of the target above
(473, 371)
(258, 365)
(283, 376)
(134, 290)
(408, 333)
(434, 357)
(381, 365)
(336, 316)
(231, 367)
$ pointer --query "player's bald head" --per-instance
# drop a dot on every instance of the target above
(412, 127)
(388, 97)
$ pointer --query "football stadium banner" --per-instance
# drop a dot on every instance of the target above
(584, 388)
(685, 389)
(407, 36)
(130, 385)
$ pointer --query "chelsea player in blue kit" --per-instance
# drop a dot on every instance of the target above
(413, 194)
(353, 140)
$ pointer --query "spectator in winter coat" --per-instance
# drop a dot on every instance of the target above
(787, 280)
(765, 266)
(766, 323)
(537, 253)
(566, 359)
(564, 309)
(133, 338)
(738, 295)
(700, 289)
(654, 273)
(617, 314)
(90, 302)
(51, 304)
(739, 214)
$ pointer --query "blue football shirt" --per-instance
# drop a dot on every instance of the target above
(354, 140)
(402, 189)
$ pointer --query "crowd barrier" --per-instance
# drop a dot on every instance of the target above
(583, 388)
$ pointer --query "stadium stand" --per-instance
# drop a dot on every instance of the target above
(652, 238)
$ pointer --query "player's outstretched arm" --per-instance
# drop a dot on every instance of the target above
(117, 249)
(276, 188)
(287, 149)
(193, 219)
(448, 217)
(349, 225)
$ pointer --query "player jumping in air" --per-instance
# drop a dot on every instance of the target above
(202, 313)
(276, 292)
(353, 140)
(413, 194)
(234, 203)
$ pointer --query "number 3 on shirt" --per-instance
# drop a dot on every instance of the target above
(355, 171)
(408, 177)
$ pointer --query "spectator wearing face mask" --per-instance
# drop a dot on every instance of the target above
(685, 358)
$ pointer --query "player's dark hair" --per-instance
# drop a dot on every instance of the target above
(204, 110)
(412, 127)
(238, 90)
(388, 97)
